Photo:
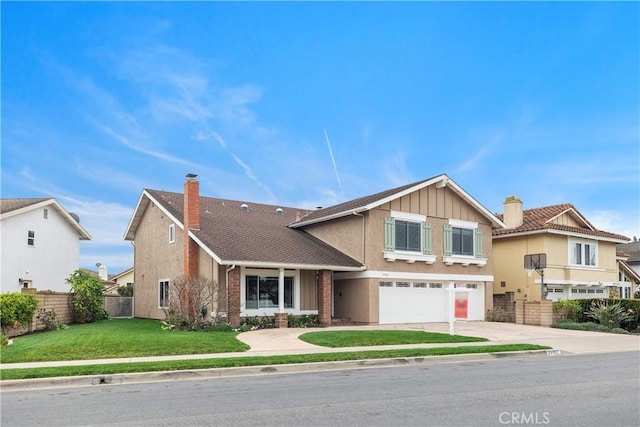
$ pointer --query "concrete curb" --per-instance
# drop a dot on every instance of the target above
(201, 374)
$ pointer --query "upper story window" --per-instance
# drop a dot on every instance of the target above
(583, 252)
(172, 233)
(45, 213)
(463, 243)
(31, 238)
(407, 237)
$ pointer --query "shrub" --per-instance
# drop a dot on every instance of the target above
(587, 326)
(567, 309)
(609, 314)
(304, 321)
(188, 302)
(48, 317)
(255, 323)
(498, 315)
(16, 309)
(87, 297)
(125, 291)
(4, 340)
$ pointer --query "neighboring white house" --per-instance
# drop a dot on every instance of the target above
(40, 244)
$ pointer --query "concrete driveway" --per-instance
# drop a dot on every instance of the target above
(269, 341)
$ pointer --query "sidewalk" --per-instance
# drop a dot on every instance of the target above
(272, 342)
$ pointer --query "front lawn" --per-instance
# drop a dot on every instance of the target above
(116, 338)
(381, 337)
(177, 365)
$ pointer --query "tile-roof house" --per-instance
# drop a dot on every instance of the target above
(581, 260)
(385, 258)
(40, 244)
(629, 278)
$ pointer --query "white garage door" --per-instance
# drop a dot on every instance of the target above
(403, 302)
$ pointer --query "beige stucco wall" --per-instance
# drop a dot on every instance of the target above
(353, 233)
(356, 299)
(152, 244)
(345, 234)
(509, 252)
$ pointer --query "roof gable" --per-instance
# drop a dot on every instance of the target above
(563, 218)
(14, 207)
(257, 235)
(367, 203)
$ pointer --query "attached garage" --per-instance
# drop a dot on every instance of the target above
(419, 302)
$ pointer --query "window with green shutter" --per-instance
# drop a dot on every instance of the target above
(407, 236)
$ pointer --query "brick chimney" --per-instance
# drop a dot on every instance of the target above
(191, 222)
(512, 209)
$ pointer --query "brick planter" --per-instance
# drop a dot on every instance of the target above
(282, 320)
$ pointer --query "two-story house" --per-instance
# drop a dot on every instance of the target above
(396, 256)
(580, 259)
(40, 244)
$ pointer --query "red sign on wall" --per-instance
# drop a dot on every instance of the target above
(461, 305)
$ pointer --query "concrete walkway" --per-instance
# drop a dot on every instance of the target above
(271, 342)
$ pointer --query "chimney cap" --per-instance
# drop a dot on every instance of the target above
(192, 176)
(512, 199)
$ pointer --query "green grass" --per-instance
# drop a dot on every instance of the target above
(117, 338)
(16, 374)
(382, 337)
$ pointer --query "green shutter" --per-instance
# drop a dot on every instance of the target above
(448, 239)
(477, 244)
(426, 239)
(389, 234)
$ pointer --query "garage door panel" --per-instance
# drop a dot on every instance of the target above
(418, 305)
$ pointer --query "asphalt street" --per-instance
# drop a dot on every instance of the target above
(599, 389)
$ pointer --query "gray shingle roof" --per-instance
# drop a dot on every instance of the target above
(259, 235)
(9, 205)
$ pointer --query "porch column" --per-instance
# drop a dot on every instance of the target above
(324, 297)
(233, 297)
(281, 291)
(282, 320)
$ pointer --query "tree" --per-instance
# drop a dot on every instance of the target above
(190, 300)
(125, 291)
(87, 297)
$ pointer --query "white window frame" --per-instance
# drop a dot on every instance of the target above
(31, 238)
(584, 243)
(409, 256)
(172, 233)
(465, 260)
(270, 311)
(166, 292)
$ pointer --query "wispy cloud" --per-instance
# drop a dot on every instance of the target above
(623, 223)
(481, 154)
(396, 171)
(252, 177)
(157, 154)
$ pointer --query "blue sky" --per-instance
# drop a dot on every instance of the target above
(101, 100)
